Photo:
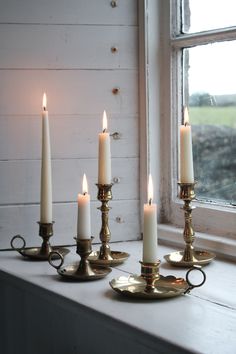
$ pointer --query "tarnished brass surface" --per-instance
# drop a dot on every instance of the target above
(163, 286)
(39, 253)
(115, 259)
(73, 272)
(105, 256)
(188, 257)
(80, 271)
(199, 258)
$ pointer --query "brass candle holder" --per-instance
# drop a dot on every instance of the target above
(39, 253)
(151, 285)
(82, 271)
(105, 256)
(189, 256)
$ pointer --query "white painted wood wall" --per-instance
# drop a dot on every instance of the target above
(63, 47)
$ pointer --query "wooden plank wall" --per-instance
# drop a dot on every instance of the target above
(65, 49)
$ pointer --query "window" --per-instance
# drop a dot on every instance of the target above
(203, 48)
(195, 50)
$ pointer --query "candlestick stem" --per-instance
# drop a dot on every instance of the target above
(105, 195)
(187, 194)
(105, 256)
(84, 248)
(45, 231)
(150, 272)
(189, 256)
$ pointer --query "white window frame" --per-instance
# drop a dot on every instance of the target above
(160, 105)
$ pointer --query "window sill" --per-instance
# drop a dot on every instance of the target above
(45, 314)
(223, 247)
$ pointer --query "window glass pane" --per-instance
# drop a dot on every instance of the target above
(210, 93)
(203, 15)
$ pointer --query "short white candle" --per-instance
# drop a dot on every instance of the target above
(150, 228)
(104, 155)
(46, 169)
(83, 221)
(186, 151)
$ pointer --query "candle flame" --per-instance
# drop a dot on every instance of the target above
(104, 121)
(85, 184)
(186, 116)
(44, 101)
(150, 189)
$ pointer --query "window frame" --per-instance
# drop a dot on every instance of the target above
(216, 224)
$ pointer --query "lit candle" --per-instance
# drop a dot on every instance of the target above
(150, 227)
(186, 151)
(83, 222)
(46, 169)
(104, 155)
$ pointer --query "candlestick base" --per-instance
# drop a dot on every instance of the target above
(151, 285)
(39, 253)
(79, 271)
(178, 258)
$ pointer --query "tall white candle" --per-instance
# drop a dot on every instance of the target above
(84, 222)
(46, 169)
(150, 227)
(186, 151)
(104, 155)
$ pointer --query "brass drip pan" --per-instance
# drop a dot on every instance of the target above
(113, 259)
(135, 286)
(199, 258)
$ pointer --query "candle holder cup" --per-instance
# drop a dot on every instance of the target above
(82, 271)
(105, 256)
(189, 256)
(39, 253)
(151, 285)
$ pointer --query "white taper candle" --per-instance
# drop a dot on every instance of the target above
(84, 220)
(186, 151)
(46, 169)
(150, 228)
(104, 155)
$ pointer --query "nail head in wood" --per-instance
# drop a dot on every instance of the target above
(114, 49)
(116, 180)
(115, 90)
(113, 3)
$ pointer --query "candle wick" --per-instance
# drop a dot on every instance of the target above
(186, 123)
(44, 108)
(150, 201)
(104, 130)
(84, 193)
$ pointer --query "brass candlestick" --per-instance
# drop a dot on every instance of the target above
(83, 270)
(189, 256)
(105, 256)
(151, 285)
(39, 253)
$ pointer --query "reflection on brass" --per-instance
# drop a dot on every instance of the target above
(151, 285)
(83, 270)
(39, 253)
(105, 256)
(189, 256)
